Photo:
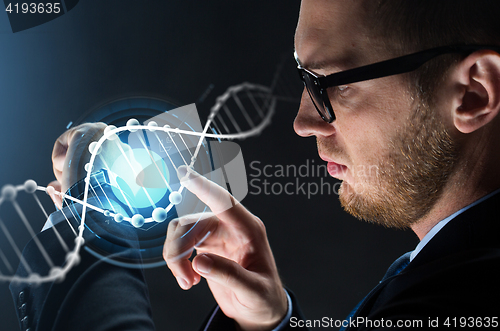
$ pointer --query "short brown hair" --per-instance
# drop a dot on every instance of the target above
(408, 26)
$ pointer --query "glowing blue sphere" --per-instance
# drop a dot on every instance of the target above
(138, 220)
(111, 128)
(9, 192)
(93, 149)
(159, 215)
(133, 122)
(118, 218)
(175, 198)
(88, 167)
(30, 186)
(152, 126)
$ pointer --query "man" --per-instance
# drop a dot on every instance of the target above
(431, 133)
(428, 123)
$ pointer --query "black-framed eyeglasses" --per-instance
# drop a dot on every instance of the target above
(317, 85)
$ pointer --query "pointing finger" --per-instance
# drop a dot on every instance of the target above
(220, 201)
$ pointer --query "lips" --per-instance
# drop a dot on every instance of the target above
(335, 169)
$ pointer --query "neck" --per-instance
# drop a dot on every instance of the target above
(473, 179)
(448, 204)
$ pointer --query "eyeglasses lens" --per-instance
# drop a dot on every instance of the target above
(316, 97)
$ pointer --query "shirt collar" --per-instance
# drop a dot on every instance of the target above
(442, 223)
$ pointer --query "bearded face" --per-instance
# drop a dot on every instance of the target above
(409, 178)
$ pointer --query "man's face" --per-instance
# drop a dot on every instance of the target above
(391, 151)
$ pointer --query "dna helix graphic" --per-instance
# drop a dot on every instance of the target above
(242, 111)
(137, 189)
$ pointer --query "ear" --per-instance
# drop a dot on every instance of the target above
(479, 92)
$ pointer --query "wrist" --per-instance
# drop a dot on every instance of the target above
(275, 324)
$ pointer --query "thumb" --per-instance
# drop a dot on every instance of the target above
(224, 272)
(56, 198)
(255, 304)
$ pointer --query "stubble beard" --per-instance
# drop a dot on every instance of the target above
(410, 177)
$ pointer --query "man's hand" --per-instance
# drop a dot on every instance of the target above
(71, 154)
(233, 254)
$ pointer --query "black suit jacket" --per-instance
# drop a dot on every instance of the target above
(456, 275)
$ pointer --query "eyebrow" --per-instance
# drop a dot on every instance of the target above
(315, 65)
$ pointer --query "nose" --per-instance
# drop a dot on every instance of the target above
(308, 122)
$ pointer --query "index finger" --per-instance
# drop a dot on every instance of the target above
(219, 200)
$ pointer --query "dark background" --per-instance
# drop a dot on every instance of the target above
(103, 50)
